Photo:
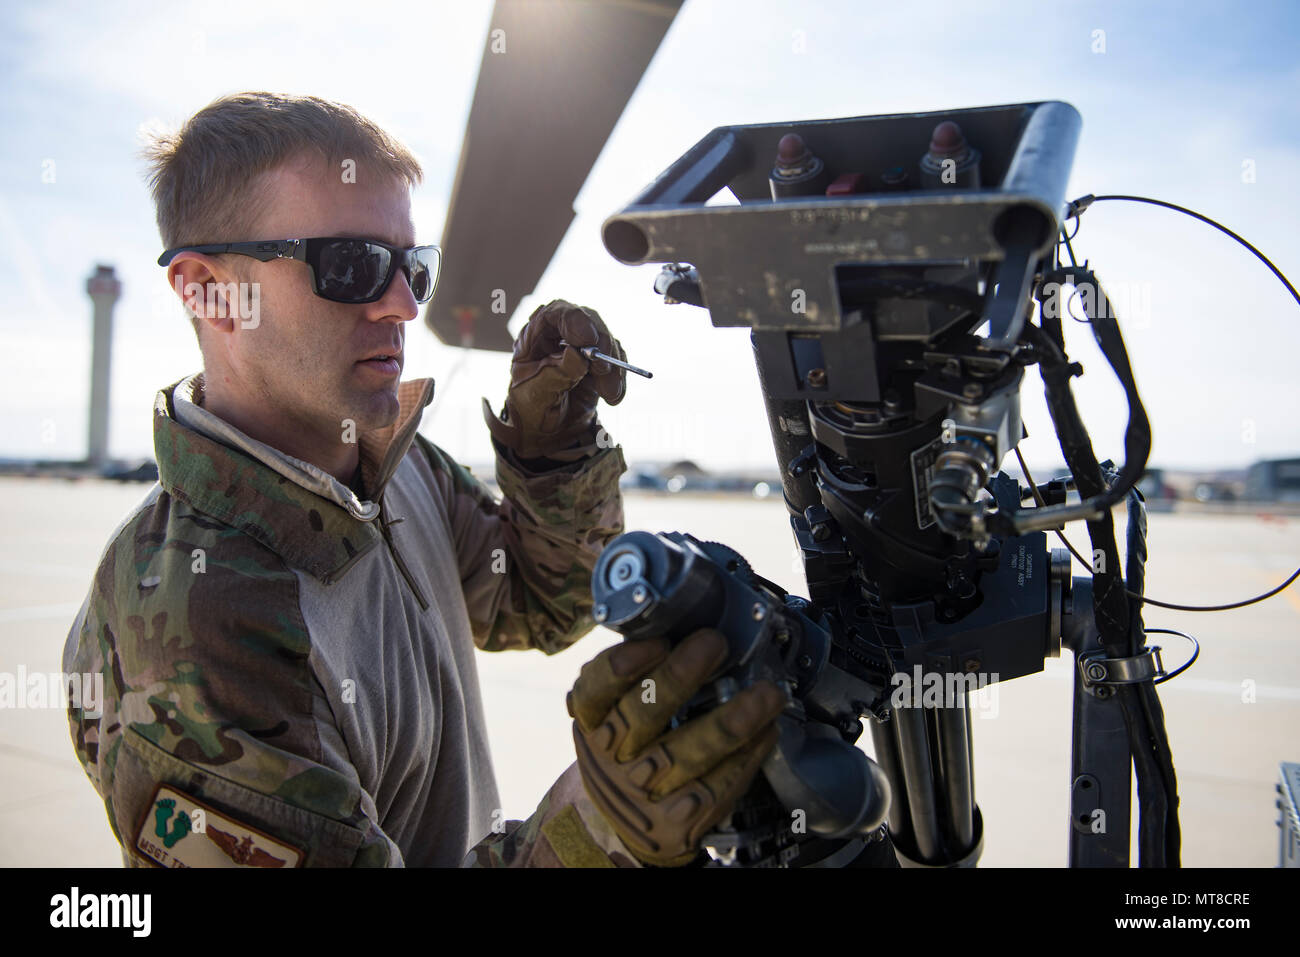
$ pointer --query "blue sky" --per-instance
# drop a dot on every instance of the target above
(1183, 95)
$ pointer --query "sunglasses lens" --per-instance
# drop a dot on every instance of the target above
(425, 263)
(352, 270)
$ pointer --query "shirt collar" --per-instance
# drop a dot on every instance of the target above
(301, 512)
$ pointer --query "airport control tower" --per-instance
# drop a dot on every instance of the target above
(105, 290)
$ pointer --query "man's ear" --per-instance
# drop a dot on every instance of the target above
(204, 286)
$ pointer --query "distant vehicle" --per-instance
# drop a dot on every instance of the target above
(1154, 488)
(1159, 494)
(643, 479)
(1210, 491)
(687, 477)
(1277, 480)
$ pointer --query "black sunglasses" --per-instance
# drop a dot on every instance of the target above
(343, 270)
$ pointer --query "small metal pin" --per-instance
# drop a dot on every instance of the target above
(591, 352)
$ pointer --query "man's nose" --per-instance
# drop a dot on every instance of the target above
(397, 303)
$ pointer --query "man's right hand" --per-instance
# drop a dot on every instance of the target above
(660, 789)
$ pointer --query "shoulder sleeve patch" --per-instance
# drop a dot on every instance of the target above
(178, 831)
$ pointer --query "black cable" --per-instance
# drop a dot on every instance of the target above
(1056, 372)
(1111, 607)
(1073, 211)
(1117, 609)
(1107, 333)
(1159, 833)
(1083, 202)
(1105, 329)
(1150, 631)
(1135, 567)
(1070, 249)
(1190, 661)
(1154, 800)
(1042, 503)
(1110, 604)
(1157, 738)
(1235, 604)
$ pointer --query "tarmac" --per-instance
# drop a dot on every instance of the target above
(1231, 719)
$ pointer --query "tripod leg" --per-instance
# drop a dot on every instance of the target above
(884, 738)
(953, 730)
(918, 781)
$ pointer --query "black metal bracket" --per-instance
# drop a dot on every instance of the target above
(1100, 674)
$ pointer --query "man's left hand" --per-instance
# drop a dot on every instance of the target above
(551, 404)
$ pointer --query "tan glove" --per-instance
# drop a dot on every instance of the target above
(551, 403)
(663, 790)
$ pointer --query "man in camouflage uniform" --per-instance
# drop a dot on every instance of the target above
(286, 624)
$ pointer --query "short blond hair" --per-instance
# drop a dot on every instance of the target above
(205, 178)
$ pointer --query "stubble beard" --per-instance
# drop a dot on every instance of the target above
(372, 408)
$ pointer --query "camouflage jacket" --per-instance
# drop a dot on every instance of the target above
(286, 665)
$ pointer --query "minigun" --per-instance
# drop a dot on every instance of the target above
(889, 268)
